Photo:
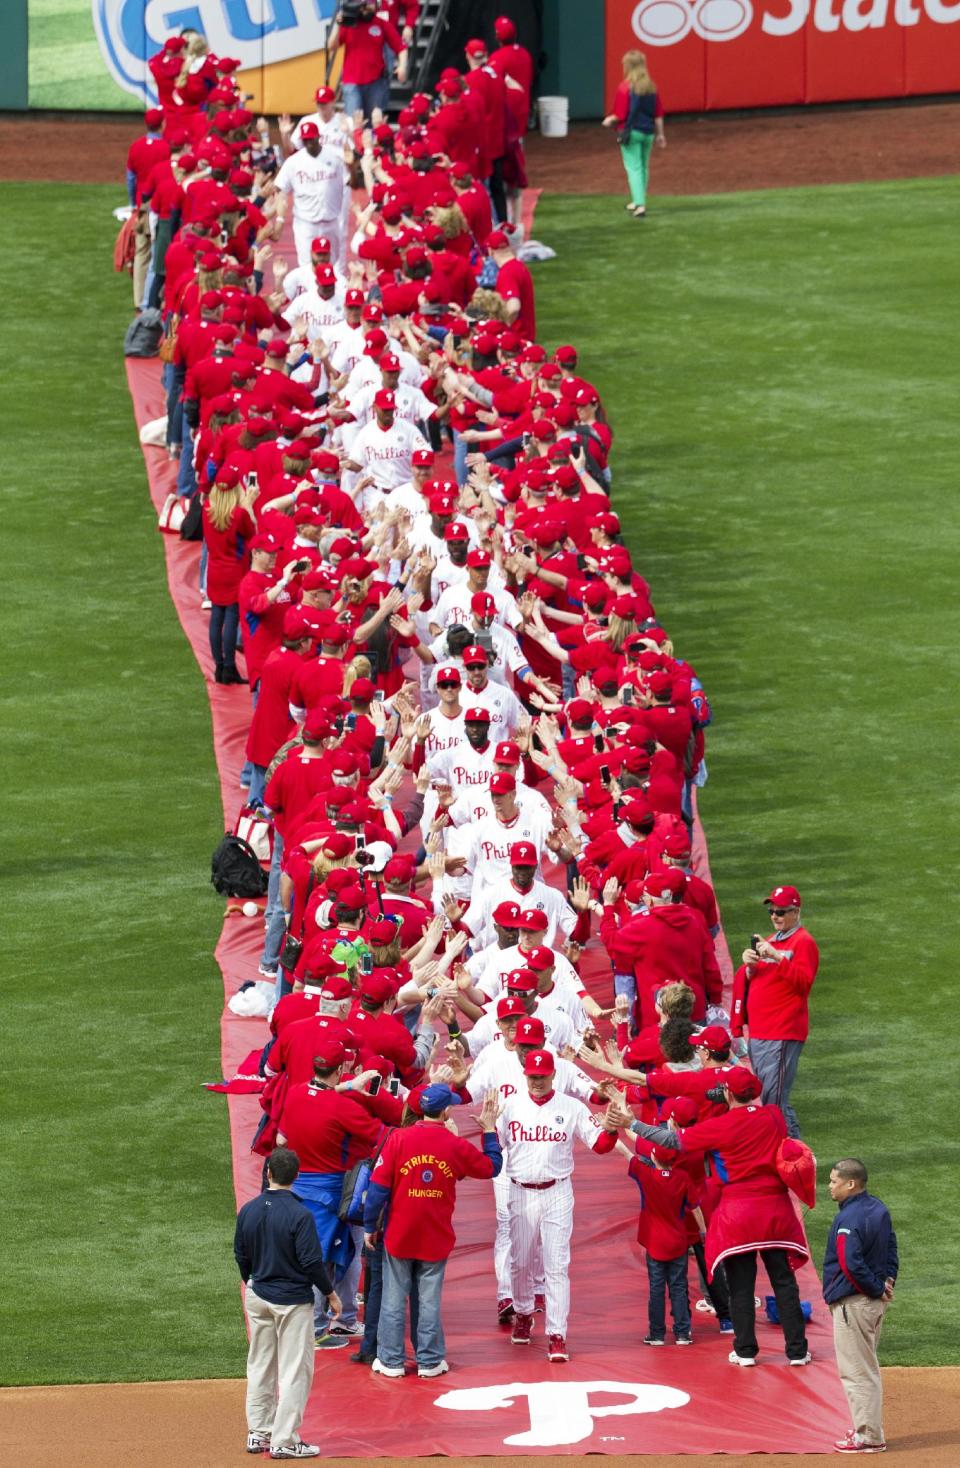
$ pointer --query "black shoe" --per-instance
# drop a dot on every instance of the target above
(218, 673)
(363, 1358)
(232, 675)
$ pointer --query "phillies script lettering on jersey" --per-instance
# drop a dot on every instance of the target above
(460, 775)
(543, 1133)
(494, 851)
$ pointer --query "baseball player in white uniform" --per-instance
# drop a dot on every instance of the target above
(315, 176)
(521, 886)
(500, 1068)
(537, 1129)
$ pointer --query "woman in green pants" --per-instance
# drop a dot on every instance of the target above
(638, 116)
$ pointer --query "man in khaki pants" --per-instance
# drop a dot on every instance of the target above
(859, 1274)
(278, 1254)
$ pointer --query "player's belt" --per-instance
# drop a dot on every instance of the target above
(538, 1187)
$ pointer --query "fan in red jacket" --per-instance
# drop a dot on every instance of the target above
(755, 1215)
(667, 942)
(771, 992)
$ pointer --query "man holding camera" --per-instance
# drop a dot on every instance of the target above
(369, 42)
(771, 992)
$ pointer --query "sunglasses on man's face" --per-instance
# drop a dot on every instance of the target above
(779, 911)
(447, 683)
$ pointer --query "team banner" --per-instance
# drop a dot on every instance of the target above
(759, 53)
(93, 53)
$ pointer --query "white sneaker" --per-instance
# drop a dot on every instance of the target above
(338, 1328)
(296, 1450)
(380, 1370)
(704, 1306)
(736, 1360)
(205, 604)
(440, 1369)
(800, 1360)
(258, 1442)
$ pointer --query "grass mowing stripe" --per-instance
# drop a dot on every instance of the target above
(775, 366)
(117, 1214)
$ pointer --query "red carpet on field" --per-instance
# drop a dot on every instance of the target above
(615, 1395)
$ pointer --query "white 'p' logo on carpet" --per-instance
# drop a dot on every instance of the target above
(562, 1411)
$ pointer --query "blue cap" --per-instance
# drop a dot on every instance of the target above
(437, 1098)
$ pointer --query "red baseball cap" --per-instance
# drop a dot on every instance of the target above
(449, 675)
(523, 853)
(540, 959)
(783, 897)
(477, 715)
(521, 979)
(530, 1031)
(385, 400)
(400, 868)
(337, 845)
(498, 241)
(474, 656)
(663, 884)
(456, 530)
(510, 1008)
(476, 47)
(324, 94)
(507, 914)
(482, 603)
(644, 1050)
(742, 1083)
(677, 845)
(506, 753)
(682, 1109)
(354, 297)
(502, 784)
(715, 1037)
(382, 931)
(579, 710)
(533, 920)
(309, 130)
(329, 1054)
(336, 987)
(478, 558)
(375, 987)
(424, 458)
(539, 1063)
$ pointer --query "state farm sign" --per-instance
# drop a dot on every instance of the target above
(665, 22)
(752, 53)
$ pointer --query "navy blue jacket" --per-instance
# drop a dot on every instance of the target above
(861, 1250)
(277, 1249)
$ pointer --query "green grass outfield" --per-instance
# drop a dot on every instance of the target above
(778, 370)
(775, 366)
(66, 68)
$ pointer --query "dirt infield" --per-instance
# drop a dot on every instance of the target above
(198, 1424)
(711, 154)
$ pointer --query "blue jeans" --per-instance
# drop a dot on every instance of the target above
(460, 451)
(663, 1275)
(256, 782)
(274, 918)
(178, 376)
(186, 477)
(224, 624)
(627, 984)
(346, 1281)
(400, 1276)
(365, 98)
(373, 1299)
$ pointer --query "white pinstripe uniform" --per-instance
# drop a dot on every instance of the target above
(537, 1138)
(499, 1068)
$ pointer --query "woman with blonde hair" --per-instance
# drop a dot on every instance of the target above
(228, 526)
(637, 114)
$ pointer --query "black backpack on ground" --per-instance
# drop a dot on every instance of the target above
(143, 335)
(235, 871)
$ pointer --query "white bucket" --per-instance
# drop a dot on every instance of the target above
(553, 112)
